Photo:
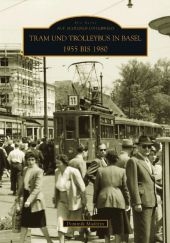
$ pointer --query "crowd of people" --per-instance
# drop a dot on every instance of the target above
(12, 158)
(128, 183)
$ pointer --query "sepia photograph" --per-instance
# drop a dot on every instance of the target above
(84, 121)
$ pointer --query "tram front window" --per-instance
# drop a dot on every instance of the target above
(84, 127)
(70, 128)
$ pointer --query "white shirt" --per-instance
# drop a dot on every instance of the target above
(63, 181)
(16, 156)
(148, 164)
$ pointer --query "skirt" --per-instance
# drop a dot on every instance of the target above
(118, 222)
(32, 220)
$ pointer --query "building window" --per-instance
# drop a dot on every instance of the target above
(4, 99)
(4, 79)
(4, 61)
(30, 100)
(24, 100)
(24, 81)
(30, 83)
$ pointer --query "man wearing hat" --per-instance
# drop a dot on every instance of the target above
(141, 185)
(124, 155)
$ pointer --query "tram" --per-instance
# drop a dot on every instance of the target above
(133, 128)
(87, 127)
(86, 119)
(94, 125)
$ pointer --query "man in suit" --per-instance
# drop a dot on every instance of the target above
(141, 185)
(95, 164)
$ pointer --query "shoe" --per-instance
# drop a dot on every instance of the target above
(69, 236)
(158, 238)
(79, 238)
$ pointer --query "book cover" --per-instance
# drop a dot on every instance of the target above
(77, 60)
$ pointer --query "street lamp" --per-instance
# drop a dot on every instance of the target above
(129, 4)
(162, 25)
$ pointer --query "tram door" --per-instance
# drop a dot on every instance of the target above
(72, 129)
(88, 133)
(70, 143)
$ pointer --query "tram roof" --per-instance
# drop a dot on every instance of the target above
(81, 113)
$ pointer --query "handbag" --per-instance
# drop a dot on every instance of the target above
(95, 216)
(16, 217)
(86, 214)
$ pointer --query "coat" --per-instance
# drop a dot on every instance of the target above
(141, 182)
(76, 191)
(79, 163)
(36, 197)
(92, 170)
(110, 188)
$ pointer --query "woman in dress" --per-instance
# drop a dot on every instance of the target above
(69, 197)
(111, 198)
(33, 210)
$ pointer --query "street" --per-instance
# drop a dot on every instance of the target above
(7, 199)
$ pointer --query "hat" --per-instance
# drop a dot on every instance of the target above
(127, 143)
(144, 140)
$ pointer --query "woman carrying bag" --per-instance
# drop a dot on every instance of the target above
(111, 198)
(33, 209)
(69, 197)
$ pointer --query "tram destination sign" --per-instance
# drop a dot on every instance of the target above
(85, 36)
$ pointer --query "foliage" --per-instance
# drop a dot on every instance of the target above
(143, 92)
(5, 223)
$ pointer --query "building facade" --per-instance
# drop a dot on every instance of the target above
(21, 87)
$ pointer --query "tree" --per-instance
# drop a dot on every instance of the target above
(141, 87)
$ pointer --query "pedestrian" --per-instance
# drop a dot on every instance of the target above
(9, 147)
(43, 147)
(142, 189)
(3, 156)
(124, 156)
(158, 177)
(40, 157)
(125, 153)
(100, 161)
(69, 197)
(111, 198)
(78, 161)
(16, 159)
(33, 210)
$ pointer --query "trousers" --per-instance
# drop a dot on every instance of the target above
(144, 225)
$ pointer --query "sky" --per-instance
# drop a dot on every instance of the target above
(17, 14)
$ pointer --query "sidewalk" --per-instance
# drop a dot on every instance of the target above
(7, 199)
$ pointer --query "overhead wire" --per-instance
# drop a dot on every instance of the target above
(13, 5)
(109, 7)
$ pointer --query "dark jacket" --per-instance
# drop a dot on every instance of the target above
(141, 182)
